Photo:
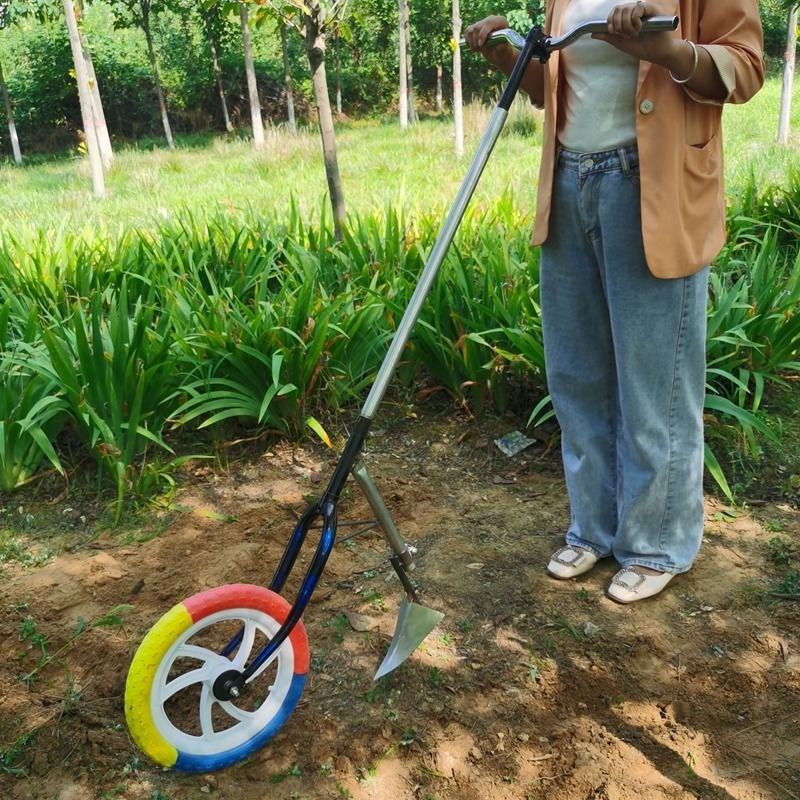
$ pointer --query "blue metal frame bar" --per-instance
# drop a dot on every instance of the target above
(289, 557)
(284, 568)
(326, 509)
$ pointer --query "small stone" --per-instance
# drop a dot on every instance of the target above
(523, 737)
(590, 629)
(360, 622)
(582, 706)
(205, 789)
(476, 753)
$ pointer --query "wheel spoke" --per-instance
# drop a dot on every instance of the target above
(237, 713)
(203, 654)
(195, 652)
(246, 647)
(184, 681)
(206, 706)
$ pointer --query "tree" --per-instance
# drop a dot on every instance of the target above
(209, 15)
(12, 128)
(412, 104)
(430, 22)
(287, 80)
(252, 85)
(47, 11)
(337, 47)
(402, 50)
(139, 13)
(315, 20)
(788, 74)
(103, 137)
(85, 97)
(458, 106)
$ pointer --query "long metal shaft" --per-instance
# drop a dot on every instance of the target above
(437, 256)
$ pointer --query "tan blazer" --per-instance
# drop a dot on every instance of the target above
(678, 134)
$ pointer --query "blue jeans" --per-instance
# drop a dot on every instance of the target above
(625, 356)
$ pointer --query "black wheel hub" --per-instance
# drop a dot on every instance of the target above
(229, 685)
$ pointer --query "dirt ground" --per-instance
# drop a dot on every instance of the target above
(529, 689)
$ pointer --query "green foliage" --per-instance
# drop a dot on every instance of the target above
(32, 636)
(12, 757)
(247, 321)
(38, 65)
(780, 550)
(31, 416)
(774, 18)
(112, 363)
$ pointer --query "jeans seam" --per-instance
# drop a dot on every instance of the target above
(671, 417)
(577, 541)
(670, 568)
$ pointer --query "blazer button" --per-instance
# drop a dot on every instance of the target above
(646, 106)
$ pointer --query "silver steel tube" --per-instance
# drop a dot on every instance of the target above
(651, 25)
(390, 532)
(507, 35)
(435, 259)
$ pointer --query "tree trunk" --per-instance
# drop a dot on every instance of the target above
(252, 86)
(458, 111)
(315, 47)
(212, 45)
(439, 100)
(403, 66)
(338, 76)
(103, 139)
(85, 96)
(412, 105)
(287, 82)
(12, 128)
(788, 78)
(157, 79)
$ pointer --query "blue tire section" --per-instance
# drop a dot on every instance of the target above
(195, 763)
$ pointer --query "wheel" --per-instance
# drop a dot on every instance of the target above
(170, 708)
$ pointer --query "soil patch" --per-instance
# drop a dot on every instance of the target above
(530, 688)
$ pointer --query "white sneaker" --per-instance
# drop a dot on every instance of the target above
(632, 583)
(571, 561)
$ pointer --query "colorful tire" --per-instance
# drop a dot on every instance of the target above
(152, 690)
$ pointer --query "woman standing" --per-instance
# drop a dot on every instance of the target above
(630, 212)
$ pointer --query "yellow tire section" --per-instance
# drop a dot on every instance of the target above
(140, 683)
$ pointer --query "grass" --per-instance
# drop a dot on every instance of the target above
(201, 292)
(413, 171)
(772, 470)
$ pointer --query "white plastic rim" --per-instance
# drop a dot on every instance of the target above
(248, 723)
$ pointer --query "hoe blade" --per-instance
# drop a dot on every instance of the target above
(414, 623)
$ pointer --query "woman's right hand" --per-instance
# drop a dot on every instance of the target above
(478, 33)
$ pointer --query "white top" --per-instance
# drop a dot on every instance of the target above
(598, 109)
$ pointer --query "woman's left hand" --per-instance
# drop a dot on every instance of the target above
(625, 24)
